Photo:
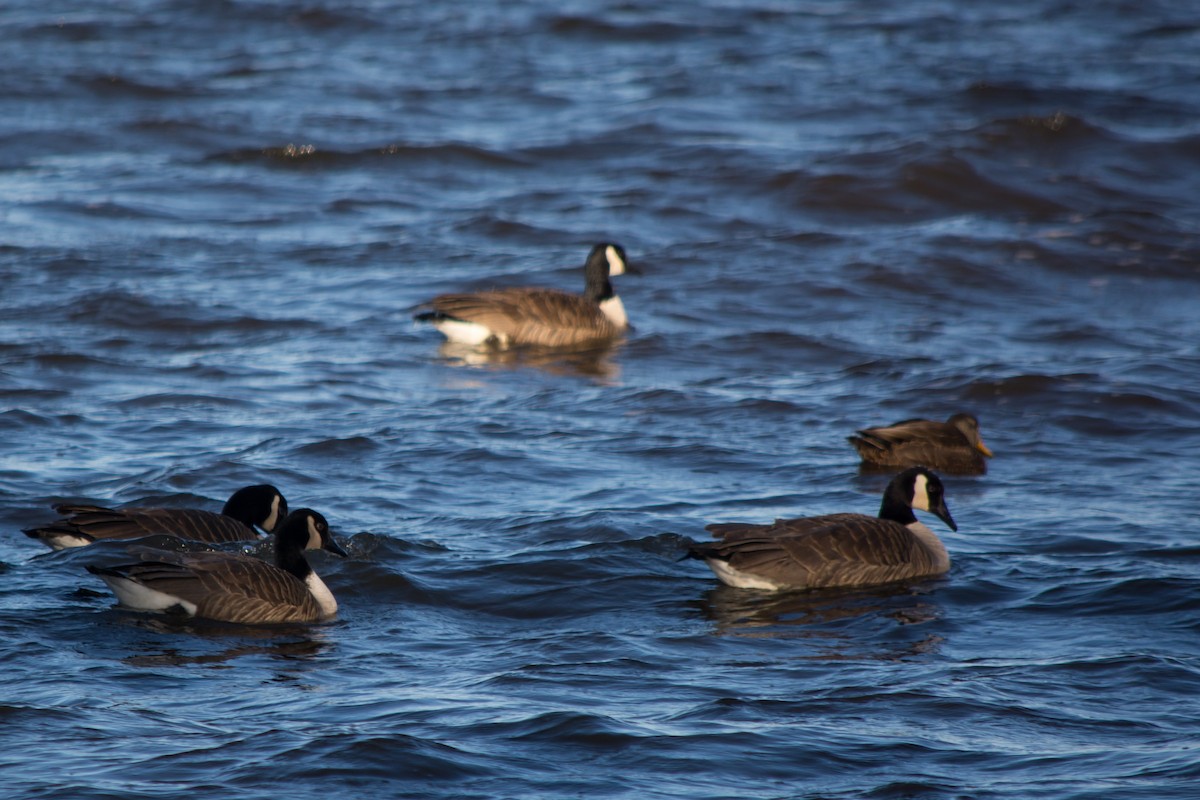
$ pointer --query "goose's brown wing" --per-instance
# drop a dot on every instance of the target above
(227, 587)
(541, 317)
(97, 522)
(850, 550)
(799, 526)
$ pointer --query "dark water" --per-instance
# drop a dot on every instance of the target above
(216, 215)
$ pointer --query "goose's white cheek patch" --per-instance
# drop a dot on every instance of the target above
(616, 264)
(314, 535)
(272, 520)
(920, 499)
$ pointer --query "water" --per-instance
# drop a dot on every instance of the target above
(216, 217)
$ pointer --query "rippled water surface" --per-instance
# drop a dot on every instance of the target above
(217, 217)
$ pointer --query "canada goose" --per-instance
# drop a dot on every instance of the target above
(951, 446)
(837, 550)
(535, 316)
(230, 587)
(260, 505)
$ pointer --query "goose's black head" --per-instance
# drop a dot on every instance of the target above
(917, 488)
(605, 261)
(305, 529)
(262, 505)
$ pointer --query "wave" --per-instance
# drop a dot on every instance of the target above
(310, 156)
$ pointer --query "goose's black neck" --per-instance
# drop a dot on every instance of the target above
(239, 507)
(291, 559)
(253, 506)
(597, 288)
(290, 542)
(896, 506)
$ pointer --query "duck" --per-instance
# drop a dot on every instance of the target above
(537, 317)
(261, 506)
(846, 550)
(233, 587)
(953, 446)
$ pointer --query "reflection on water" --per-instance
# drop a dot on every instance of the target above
(830, 617)
(596, 363)
(286, 642)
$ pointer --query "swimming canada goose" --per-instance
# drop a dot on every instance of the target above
(837, 550)
(952, 446)
(535, 316)
(260, 505)
(231, 587)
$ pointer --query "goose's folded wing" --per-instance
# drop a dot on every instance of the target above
(535, 316)
(731, 531)
(860, 550)
(228, 587)
(106, 523)
(856, 539)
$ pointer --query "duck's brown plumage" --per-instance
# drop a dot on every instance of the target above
(953, 446)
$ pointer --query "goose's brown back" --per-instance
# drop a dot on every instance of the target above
(834, 550)
(227, 587)
(98, 522)
(529, 316)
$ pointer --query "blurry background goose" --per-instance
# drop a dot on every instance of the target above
(535, 316)
(953, 446)
(261, 506)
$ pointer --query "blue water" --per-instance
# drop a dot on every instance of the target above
(217, 217)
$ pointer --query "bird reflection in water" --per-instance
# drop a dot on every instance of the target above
(595, 363)
(831, 617)
(291, 643)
